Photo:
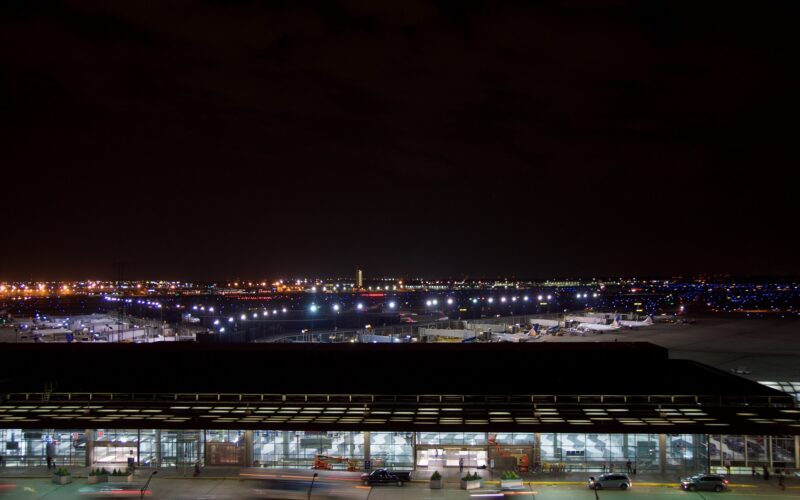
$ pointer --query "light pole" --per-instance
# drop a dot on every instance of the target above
(144, 488)
(310, 486)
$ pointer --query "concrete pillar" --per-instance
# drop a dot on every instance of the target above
(662, 453)
(769, 452)
(797, 451)
(89, 433)
(414, 449)
(157, 445)
(248, 448)
(366, 445)
(746, 452)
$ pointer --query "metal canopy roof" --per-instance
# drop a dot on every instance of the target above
(521, 413)
(611, 387)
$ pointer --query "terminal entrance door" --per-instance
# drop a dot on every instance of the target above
(441, 457)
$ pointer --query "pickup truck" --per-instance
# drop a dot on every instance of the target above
(383, 476)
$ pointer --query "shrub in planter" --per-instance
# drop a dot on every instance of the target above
(437, 482)
(98, 475)
(119, 474)
(62, 476)
(510, 479)
(471, 481)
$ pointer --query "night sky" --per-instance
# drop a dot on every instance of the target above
(216, 140)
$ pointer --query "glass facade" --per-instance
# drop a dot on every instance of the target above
(23, 447)
(348, 450)
(342, 450)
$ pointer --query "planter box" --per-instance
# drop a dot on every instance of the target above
(510, 483)
(121, 479)
(470, 485)
(437, 484)
(62, 479)
(102, 478)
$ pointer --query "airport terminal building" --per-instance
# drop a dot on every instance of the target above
(544, 407)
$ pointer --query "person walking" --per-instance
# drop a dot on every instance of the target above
(753, 470)
(461, 464)
(49, 455)
(629, 466)
(728, 467)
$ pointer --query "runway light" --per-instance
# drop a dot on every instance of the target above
(230, 320)
(216, 322)
(283, 310)
(428, 303)
(266, 313)
(221, 330)
(539, 297)
(502, 299)
(490, 299)
(211, 309)
(392, 305)
(449, 301)
(359, 306)
(336, 307)
(526, 298)
(313, 308)
(435, 302)
(549, 297)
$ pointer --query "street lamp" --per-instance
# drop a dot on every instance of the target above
(144, 488)
(310, 486)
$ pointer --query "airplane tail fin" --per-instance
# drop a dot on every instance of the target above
(649, 320)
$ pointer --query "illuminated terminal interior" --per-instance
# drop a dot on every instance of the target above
(398, 450)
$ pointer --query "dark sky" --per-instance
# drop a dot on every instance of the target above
(214, 140)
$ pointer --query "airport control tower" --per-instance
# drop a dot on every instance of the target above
(359, 277)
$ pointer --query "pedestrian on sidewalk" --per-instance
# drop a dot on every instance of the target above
(460, 465)
(628, 465)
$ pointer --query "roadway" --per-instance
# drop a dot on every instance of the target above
(224, 488)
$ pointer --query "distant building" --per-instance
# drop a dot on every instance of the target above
(359, 277)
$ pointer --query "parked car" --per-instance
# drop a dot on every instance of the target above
(383, 476)
(704, 482)
(610, 480)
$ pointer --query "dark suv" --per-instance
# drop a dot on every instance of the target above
(704, 482)
(610, 480)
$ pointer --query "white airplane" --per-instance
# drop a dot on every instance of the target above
(533, 334)
(545, 322)
(636, 324)
(597, 327)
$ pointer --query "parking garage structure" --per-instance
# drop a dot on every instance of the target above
(583, 406)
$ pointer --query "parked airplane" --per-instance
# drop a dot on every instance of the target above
(636, 324)
(597, 327)
(532, 334)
